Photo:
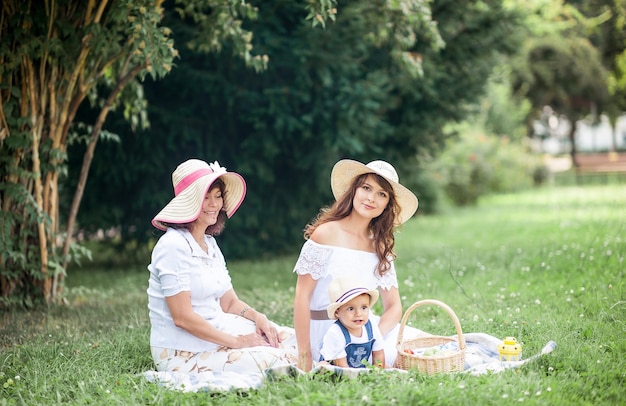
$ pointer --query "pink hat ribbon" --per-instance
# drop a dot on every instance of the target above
(189, 179)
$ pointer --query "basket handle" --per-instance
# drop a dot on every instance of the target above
(447, 308)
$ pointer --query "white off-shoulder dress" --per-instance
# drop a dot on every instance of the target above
(326, 262)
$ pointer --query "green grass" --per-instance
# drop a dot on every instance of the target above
(542, 265)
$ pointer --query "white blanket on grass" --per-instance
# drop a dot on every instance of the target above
(481, 357)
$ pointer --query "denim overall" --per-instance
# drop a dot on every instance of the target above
(356, 353)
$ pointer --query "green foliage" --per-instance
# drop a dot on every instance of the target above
(566, 74)
(486, 262)
(568, 61)
(342, 91)
(500, 112)
(478, 164)
(54, 55)
(607, 32)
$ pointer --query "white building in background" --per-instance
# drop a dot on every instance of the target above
(551, 135)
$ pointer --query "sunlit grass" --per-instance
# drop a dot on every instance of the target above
(544, 265)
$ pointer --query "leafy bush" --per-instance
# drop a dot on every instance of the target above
(475, 164)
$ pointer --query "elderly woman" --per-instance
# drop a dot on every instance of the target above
(198, 323)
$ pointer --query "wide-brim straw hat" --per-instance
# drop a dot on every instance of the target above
(192, 180)
(346, 170)
(342, 290)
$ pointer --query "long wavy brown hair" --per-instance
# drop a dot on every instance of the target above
(382, 227)
(220, 224)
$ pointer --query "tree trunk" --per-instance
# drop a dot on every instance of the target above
(572, 139)
(88, 157)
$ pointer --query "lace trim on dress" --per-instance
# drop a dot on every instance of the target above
(313, 260)
(389, 279)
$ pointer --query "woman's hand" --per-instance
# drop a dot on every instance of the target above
(266, 329)
(250, 340)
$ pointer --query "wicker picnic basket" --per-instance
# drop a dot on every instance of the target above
(433, 363)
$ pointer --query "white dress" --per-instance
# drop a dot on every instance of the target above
(326, 262)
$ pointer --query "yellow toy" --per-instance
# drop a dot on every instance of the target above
(510, 350)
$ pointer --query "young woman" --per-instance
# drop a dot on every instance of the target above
(354, 237)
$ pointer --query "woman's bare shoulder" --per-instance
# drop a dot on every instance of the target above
(327, 233)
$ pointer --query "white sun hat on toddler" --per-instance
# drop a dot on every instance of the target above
(342, 290)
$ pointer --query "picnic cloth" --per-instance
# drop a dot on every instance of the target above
(481, 357)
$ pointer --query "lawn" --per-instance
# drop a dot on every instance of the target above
(541, 265)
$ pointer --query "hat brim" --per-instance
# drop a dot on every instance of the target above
(332, 308)
(186, 207)
(346, 170)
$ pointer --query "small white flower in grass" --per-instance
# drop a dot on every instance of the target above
(526, 393)
(364, 398)
(107, 391)
(520, 400)
(550, 369)
(538, 393)
(582, 289)
(490, 320)
(505, 396)
(581, 315)
(461, 386)
(475, 317)
(598, 362)
(549, 389)
(440, 383)
(17, 377)
(517, 310)
(537, 301)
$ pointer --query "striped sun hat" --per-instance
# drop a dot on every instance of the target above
(342, 290)
(192, 180)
